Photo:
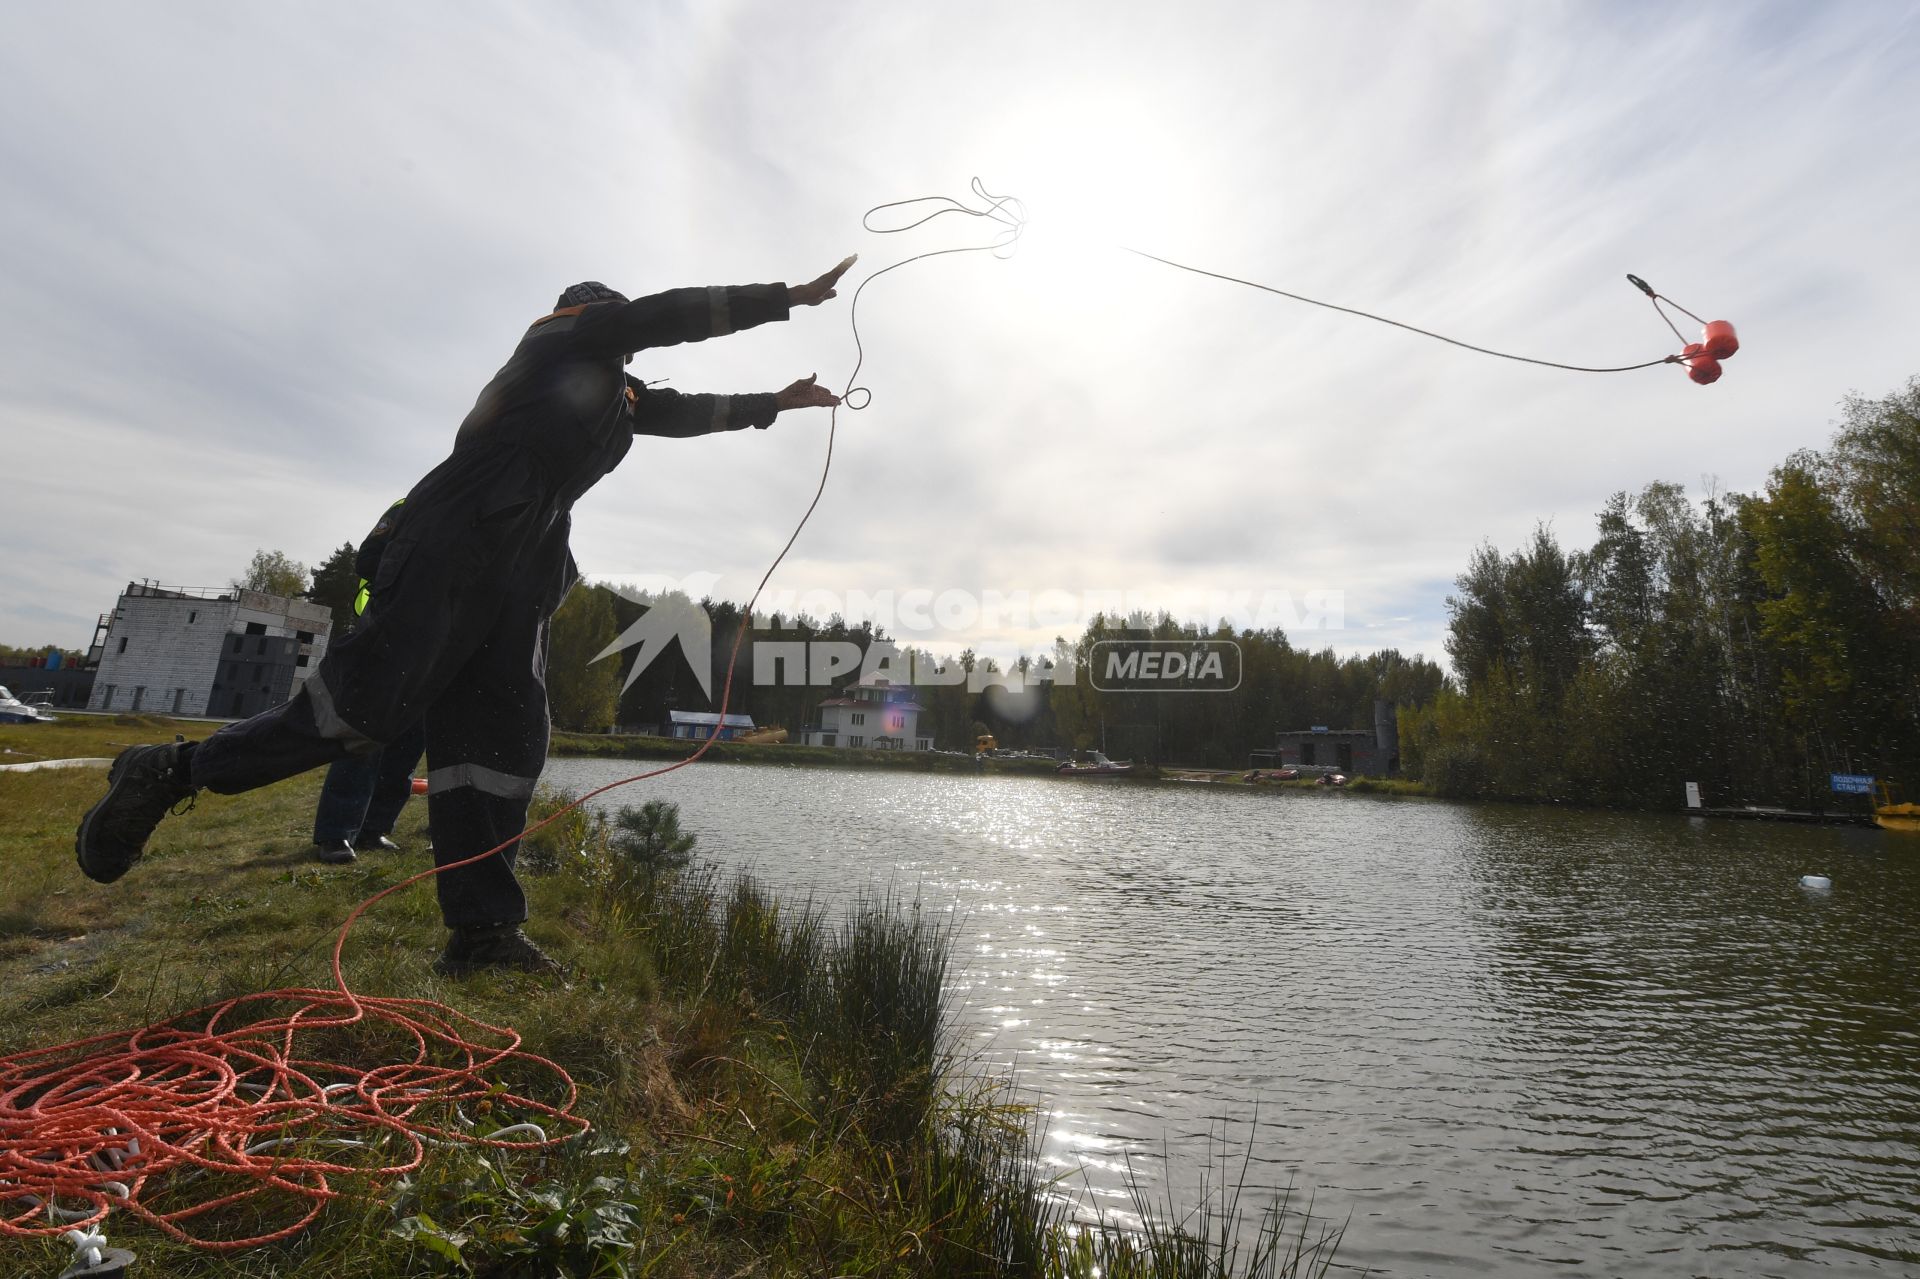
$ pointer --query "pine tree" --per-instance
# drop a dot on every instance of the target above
(335, 583)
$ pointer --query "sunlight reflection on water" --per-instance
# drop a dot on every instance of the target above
(1504, 1039)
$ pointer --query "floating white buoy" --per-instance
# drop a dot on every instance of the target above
(1815, 881)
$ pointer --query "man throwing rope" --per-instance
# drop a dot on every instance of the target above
(455, 632)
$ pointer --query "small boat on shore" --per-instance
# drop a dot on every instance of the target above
(1891, 816)
(1902, 817)
(32, 711)
(1098, 765)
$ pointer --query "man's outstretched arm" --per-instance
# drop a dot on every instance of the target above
(660, 411)
(694, 315)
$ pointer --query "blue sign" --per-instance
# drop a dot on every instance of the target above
(1851, 784)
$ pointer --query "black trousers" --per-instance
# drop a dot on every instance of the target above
(455, 637)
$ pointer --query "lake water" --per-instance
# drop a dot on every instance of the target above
(1495, 1041)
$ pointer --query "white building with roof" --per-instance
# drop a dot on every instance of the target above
(873, 713)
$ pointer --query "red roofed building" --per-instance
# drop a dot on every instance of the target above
(874, 713)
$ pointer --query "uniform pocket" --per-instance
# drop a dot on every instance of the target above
(507, 499)
(503, 512)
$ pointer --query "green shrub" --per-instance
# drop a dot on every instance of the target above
(650, 836)
(1456, 771)
(576, 837)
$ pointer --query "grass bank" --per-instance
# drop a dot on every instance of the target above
(769, 1086)
(1238, 777)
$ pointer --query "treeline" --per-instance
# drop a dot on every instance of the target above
(1281, 687)
(15, 655)
(1753, 643)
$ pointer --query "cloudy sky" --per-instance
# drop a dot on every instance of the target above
(260, 258)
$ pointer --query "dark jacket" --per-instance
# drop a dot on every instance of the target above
(565, 396)
(560, 414)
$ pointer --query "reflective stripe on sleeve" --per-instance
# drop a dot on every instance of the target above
(722, 413)
(719, 315)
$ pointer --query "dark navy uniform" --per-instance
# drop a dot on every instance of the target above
(465, 576)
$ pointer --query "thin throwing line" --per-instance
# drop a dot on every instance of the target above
(1368, 315)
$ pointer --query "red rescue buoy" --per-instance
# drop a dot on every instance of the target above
(1718, 340)
(1701, 367)
(419, 785)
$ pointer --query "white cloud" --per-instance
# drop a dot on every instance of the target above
(261, 259)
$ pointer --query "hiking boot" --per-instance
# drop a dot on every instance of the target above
(143, 784)
(501, 946)
(336, 852)
(376, 844)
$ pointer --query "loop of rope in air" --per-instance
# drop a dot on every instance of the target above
(1004, 210)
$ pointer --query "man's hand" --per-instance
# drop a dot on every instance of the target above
(821, 289)
(804, 394)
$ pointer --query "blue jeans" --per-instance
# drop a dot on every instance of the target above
(363, 794)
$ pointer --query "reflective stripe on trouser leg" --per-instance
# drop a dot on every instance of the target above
(481, 778)
(274, 744)
(329, 720)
